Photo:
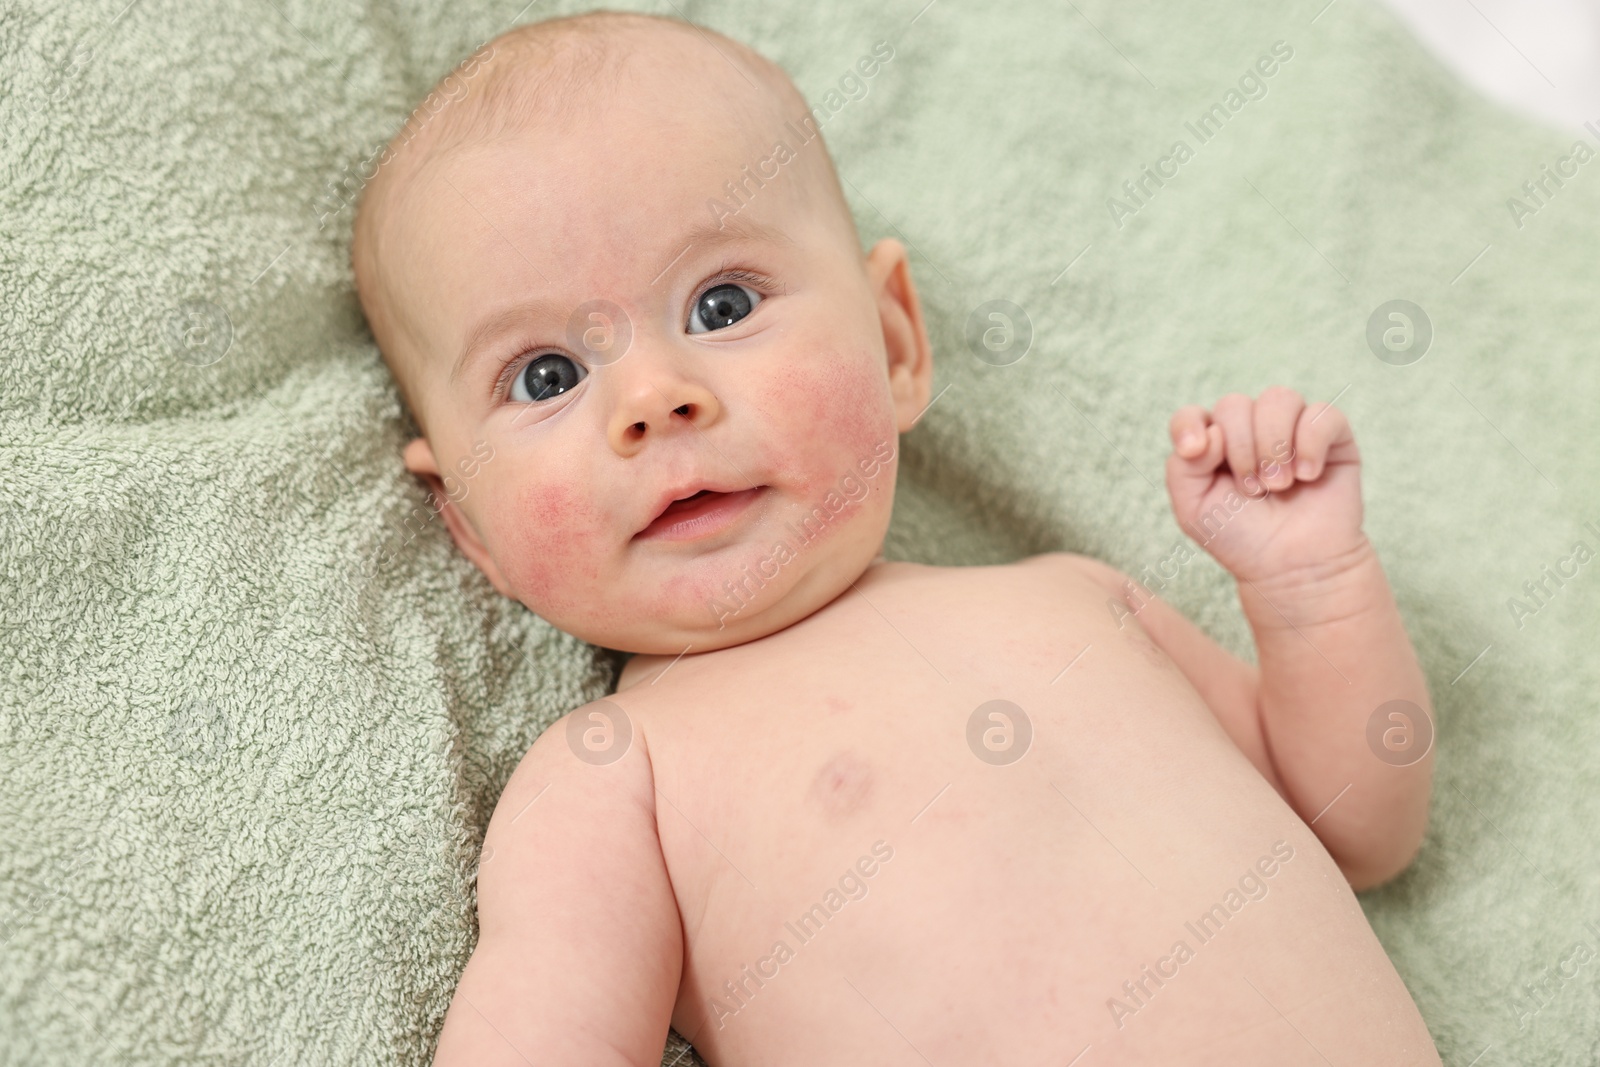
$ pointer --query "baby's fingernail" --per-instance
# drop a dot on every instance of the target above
(1303, 469)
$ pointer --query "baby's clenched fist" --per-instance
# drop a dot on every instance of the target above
(1270, 487)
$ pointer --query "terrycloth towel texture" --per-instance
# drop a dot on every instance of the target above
(257, 710)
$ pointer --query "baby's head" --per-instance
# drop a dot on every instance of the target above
(615, 269)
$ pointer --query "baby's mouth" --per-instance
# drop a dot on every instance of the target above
(699, 515)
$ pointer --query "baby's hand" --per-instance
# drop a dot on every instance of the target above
(1270, 487)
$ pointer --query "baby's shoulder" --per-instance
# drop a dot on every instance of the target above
(1048, 570)
(1067, 565)
(1070, 563)
(1072, 567)
(1035, 586)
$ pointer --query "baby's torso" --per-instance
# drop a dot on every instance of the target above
(869, 872)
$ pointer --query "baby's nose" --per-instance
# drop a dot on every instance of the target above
(652, 404)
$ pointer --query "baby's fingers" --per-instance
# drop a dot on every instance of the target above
(1234, 415)
(1323, 434)
(1188, 429)
(1276, 412)
(1197, 451)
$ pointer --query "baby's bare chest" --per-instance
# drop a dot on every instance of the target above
(991, 731)
(1038, 789)
(982, 813)
(862, 715)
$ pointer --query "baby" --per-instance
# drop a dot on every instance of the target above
(842, 810)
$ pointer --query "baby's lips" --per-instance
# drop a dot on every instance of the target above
(684, 491)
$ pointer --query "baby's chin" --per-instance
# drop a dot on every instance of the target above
(739, 594)
(669, 624)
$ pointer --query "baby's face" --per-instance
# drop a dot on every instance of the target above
(763, 359)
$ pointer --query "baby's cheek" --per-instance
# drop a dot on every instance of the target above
(548, 540)
(840, 400)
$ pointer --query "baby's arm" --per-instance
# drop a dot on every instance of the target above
(580, 947)
(1271, 488)
(1333, 651)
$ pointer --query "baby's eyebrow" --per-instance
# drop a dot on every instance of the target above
(727, 230)
(491, 327)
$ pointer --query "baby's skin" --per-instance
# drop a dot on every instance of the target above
(841, 810)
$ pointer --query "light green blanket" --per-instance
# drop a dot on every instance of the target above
(256, 711)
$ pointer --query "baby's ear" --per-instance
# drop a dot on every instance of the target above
(905, 338)
(420, 460)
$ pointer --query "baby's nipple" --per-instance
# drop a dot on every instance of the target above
(841, 786)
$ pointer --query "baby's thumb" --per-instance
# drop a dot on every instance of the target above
(1190, 478)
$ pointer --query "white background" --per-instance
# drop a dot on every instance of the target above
(1538, 57)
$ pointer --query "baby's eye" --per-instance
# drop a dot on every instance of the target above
(723, 305)
(547, 376)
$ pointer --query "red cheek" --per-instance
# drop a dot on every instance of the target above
(547, 544)
(841, 399)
